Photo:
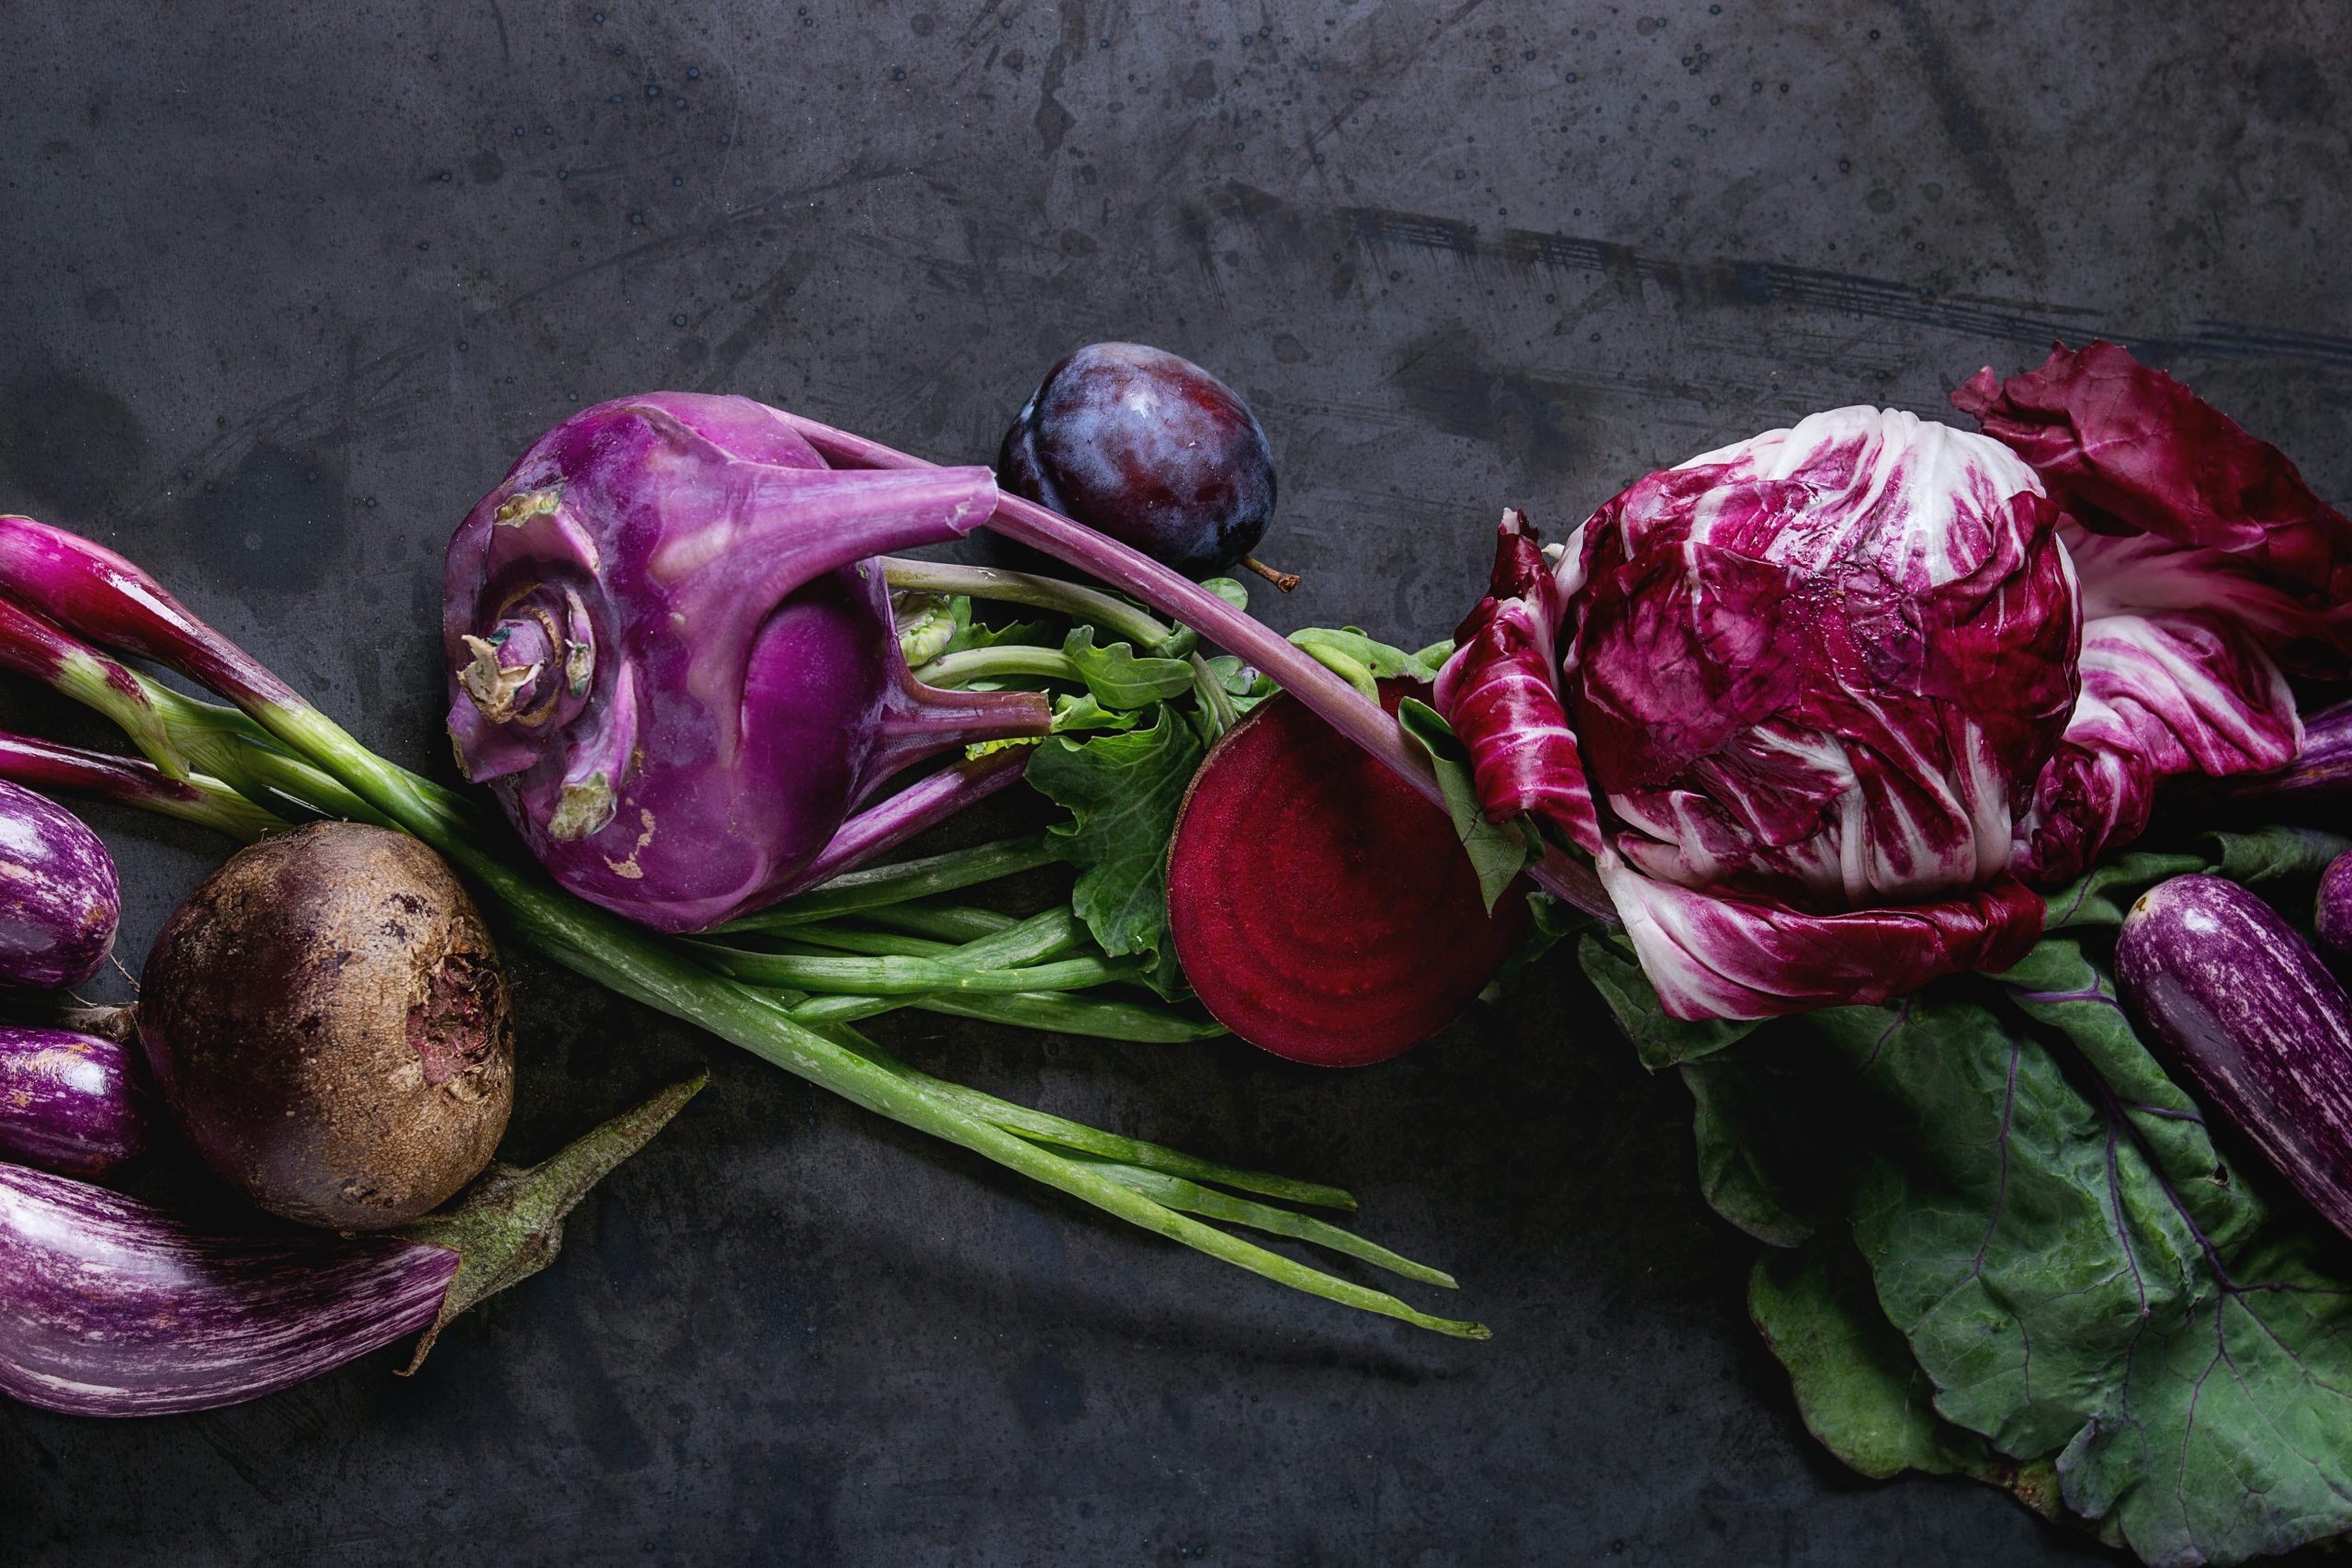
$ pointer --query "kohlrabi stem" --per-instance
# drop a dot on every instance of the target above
(901, 881)
(1075, 600)
(1293, 669)
(925, 803)
(1018, 661)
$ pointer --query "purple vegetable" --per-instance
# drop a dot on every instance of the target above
(70, 1102)
(1150, 448)
(2321, 774)
(673, 660)
(2332, 916)
(2243, 1003)
(110, 1306)
(58, 898)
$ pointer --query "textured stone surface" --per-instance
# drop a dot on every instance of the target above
(287, 287)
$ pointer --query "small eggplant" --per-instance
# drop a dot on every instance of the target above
(2319, 777)
(59, 895)
(2241, 1002)
(70, 1102)
(110, 1306)
(2332, 916)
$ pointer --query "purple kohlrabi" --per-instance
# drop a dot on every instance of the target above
(673, 660)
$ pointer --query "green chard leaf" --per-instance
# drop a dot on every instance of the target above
(1858, 1388)
(1117, 677)
(2079, 1277)
(1123, 791)
(1658, 1040)
(1498, 854)
(2101, 896)
(2271, 859)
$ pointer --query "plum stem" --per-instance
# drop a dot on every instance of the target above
(1285, 581)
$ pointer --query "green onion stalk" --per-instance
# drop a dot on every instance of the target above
(274, 747)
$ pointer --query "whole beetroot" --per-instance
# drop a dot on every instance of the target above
(327, 1023)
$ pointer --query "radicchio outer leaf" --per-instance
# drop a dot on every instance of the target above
(2205, 562)
(1718, 955)
(1499, 690)
(2127, 449)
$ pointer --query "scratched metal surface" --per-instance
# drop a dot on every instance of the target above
(286, 287)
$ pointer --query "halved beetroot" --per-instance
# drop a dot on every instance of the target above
(1323, 910)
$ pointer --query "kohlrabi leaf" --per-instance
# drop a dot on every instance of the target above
(1118, 679)
(928, 624)
(980, 634)
(1658, 1040)
(1858, 1388)
(1497, 852)
(1232, 592)
(1082, 712)
(1123, 790)
(1360, 660)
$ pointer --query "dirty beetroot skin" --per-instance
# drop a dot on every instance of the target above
(327, 1021)
(1323, 910)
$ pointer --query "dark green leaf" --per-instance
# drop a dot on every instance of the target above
(1857, 1386)
(1082, 712)
(1497, 853)
(2100, 896)
(1123, 791)
(974, 634)
(2271, 859)
(1118, 679)
(1658, 1040)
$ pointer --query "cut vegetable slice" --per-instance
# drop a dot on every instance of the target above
(1321, 907)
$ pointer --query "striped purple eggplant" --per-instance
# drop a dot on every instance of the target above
(112, 1306)
(70, 1102)
(2241, 1002)
(2332, 913)
(58, 898)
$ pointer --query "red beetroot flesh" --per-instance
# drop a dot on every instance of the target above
(1323, 910)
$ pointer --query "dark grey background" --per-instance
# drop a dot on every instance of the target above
(284, 289)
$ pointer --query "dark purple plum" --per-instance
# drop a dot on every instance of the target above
(1150, 448)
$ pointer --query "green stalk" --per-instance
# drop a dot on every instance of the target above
(1193, 1199)
(874, 887)
(941, 923)
(869, 943)
(905, 976)
(1059, 1012)
(1043, 936)
(606, 949)
(952, 672)
(1074, 599)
